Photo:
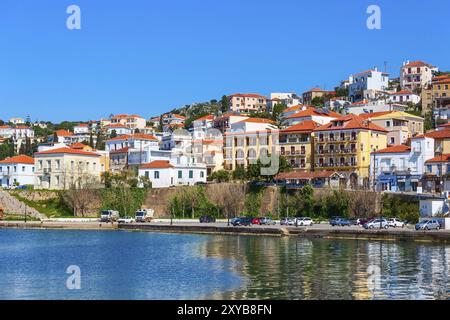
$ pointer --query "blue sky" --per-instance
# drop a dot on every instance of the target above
(146, 57)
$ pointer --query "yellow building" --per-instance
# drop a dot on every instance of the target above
(66, 168)
(247, 140)
(344, 145)
(295, 144)
(436, 93)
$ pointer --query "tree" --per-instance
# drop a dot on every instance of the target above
(220, 176)
(318, 102)
(341, 92)
(239, 173)
(277, 113)
(55, 137)
(7, 149)
(113, 133)
(224, 105)
(91, 140)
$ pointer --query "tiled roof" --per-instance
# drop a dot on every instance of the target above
(82, 125)
(123, 116)
(67, 150)
(441, 134)
(441, 158)
(310, 111)
(138, 136)
(123, 150)
(374, 114)
(179, 116)
(401, 92)
(257, 120)
(116, 125)
(303, 126)
(18, 159)
(207, 117)
(417, 64)
(157, 164)
(63, 133)
(394, 149)
(78, 145)
(293, 108)
(351, 121)
(247, 95)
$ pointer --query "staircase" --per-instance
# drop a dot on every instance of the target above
(12, 205)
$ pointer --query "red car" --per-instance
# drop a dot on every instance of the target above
(256, 221)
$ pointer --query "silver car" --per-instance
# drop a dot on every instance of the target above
(431, 224)
(376, 223)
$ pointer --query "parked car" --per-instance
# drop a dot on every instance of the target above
(287, 221)
(430, 224)
(207, 219)
(303, 221)
(338, 221)
(243, 221)
(376, 223)
(126, 219)
(267, 221)
(396, 223)
(256, 221)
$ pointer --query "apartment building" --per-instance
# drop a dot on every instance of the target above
(362, 84)
(247, 140)
(437, 172)
(319, 115)
(308, 96)
(224, 122)
(18, 170)
(416, 75)
(296, 145)
(366, 106)
(400, 126)
(247, 103)
(82, 128)
(131, 121)
(118, 129)
(400, 168)
(344, 145)
(64, 168)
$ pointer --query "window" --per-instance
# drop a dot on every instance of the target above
(156, 174)
(202, 174)
(58, 164)
(147, 175)
(23, 168)
(180, 174)
(191, 174)
(388, 123)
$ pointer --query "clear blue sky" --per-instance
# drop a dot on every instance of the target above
(146, 57)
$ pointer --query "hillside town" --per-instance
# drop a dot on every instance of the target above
(372, 131)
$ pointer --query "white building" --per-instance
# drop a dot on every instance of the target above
(131, 121)
(118, 128)
(18, 170)
(403, 97)
(430, 207)
(319, 115)
(400, 168)
(365, 106)
(82, 128)
(164, 174)
(368, 80)
(288, 99)
(17, 121)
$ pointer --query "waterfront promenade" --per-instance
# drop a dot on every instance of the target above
(220, 227)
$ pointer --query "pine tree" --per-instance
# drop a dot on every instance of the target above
(224, 104)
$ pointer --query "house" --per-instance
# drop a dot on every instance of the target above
(344, 145)
(416, 75)
(369, 80)
(247, 103)
(164, 174)
(16, 121)
(401, 126)
(248, 140)
(403, 97)
(435, 94)
(441, 99)
(319, 115)
(18, 170)
(366, 106)
(82, 128)
(317, 179)
(224, 122)
(288, 99)
(400, 168)
(295, 144)
(310, 95)
(118, 129)
(65, 168)
(132, 121)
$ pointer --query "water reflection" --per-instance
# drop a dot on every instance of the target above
(291, 268)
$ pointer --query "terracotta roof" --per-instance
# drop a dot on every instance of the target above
(445, 81)
(441, 158)
(157, 164)
(303, 126)
(293, 108)
(22, 127)
(63, 133)
(358, 103)
(78, 145)
(257, 120)
(247, 95)
(304, 175)
(401, 92)
(445, 125)
(18, 159)
(207, 117)
(351, 121)
(123, 150)
(67, 150)
(116, 125)
(122, 116)
(140, 136)
(441, 134)
(82, 125)
(374, 114)
(179, 116)
(5, 127)
(310, 111)
(417, 64)
(394, 149)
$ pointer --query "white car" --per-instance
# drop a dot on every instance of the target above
(304, 221)
(126, 220)
(396, 223)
